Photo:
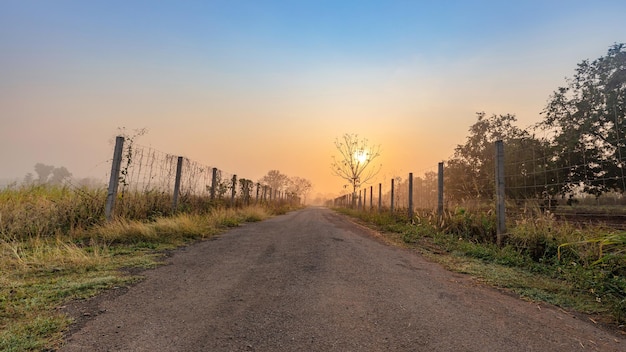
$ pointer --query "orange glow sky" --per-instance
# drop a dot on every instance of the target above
(250, 86)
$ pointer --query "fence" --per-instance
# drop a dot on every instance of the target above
(179, 181)
(513, 186)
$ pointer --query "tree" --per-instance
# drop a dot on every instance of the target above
(300, 187)
(29, 179)
(43, 172)
(470, 172)
(275, 180)
(587, 119)
(59, 174)
(354, 163)
(49, 174)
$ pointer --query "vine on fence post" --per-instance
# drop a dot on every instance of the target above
(128, 154)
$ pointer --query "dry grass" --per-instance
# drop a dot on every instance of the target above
(55, 246)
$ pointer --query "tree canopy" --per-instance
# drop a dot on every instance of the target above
(587, 119)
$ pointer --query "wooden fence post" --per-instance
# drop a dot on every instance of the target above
(115, 177)
(213, 183)
(410, 196)
(371, 198)
(179, 169)
(440, 190)
(234, 191)
(258, 189)
(500, 206)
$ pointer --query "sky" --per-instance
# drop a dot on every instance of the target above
(252, 86)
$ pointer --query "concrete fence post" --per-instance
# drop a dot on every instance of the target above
(213, 183)
(233, 191)
(365, 198)
(179, 170)
(500, 199)
(410, 196)
(392, 196)
(440, 190)
(115, 177)
(380, 197)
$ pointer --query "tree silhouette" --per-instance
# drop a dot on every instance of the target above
(354, 163)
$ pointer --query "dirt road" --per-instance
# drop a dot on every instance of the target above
(313, 281)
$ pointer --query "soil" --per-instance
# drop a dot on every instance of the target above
(312, 280)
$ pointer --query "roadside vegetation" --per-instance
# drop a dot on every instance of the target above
(542, 259)
(55, 246)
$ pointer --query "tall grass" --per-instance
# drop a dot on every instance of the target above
(589, 261)
(55, 245)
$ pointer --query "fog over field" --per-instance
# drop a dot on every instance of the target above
(254, 86)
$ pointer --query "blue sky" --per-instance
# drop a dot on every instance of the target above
(281, 78)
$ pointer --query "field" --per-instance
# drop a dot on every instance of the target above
(56, 246)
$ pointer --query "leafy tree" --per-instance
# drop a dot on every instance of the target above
(48, 174)
(354, 163)
(59, 174)
(470, 172)
(43, 172)
(276, 180)
(29, 179)
(587, 118)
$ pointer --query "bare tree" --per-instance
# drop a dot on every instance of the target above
(354, 163)
(300, 187)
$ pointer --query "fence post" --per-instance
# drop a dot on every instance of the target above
(179, 169)
(258, 188)
(360, 200)
(234, 191)
(371, 198)
(115, 177)
(380, 197)
(365, 198)
(410, 196)
(500, 206)
(440, 191)
(213, 183)
(392, 195)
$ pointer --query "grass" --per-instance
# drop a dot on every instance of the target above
(55, 247)
(581, 269)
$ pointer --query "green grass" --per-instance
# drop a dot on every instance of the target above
(582, 269)
(55, 246)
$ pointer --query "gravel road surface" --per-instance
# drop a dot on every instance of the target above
(312, 280)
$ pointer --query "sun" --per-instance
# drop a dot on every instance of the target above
(361, 156)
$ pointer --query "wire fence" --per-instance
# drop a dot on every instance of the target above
(535, 184)
(170, 182)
